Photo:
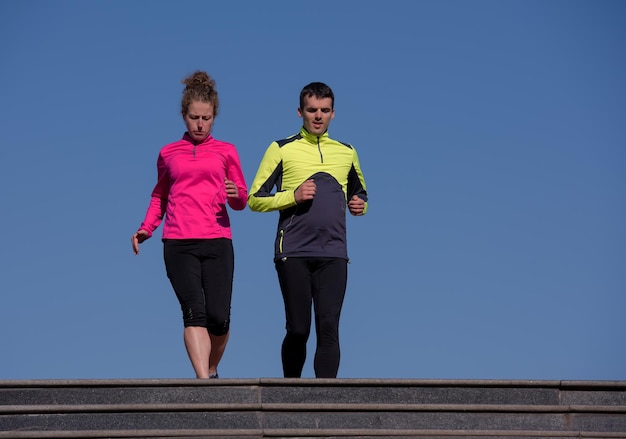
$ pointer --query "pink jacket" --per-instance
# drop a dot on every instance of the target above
(190, 190)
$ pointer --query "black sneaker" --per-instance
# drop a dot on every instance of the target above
(214, 376)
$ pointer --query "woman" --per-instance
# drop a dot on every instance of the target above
(197, 176)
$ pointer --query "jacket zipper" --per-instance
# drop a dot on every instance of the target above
(319, 148)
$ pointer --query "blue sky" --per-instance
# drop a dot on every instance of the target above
(491, 135)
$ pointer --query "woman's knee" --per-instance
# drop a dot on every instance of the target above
(194, 316)
(219, 328)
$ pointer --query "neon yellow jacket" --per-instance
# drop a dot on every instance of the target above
(315, 228)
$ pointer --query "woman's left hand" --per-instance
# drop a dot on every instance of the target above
(231, 189)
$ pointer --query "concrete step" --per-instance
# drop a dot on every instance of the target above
(312, 408)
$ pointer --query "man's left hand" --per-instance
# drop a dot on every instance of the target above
(356, 206)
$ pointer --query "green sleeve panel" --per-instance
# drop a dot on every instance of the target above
(269, 174)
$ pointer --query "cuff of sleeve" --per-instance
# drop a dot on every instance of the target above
(145, 229)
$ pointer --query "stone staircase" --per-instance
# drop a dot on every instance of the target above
(312, 408)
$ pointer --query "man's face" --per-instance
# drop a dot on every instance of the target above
(316, 114)
(199, 120)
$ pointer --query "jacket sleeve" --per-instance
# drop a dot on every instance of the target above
(269, 174)
(234, 173)
(158, 200)
(356, 182)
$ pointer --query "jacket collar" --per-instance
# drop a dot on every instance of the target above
(312, 137)
(188, 138)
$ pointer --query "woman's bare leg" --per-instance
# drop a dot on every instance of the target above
(218, 345)
(198, 344)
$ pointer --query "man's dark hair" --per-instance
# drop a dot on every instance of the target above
(319, 90)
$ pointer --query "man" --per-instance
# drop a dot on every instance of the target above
(315, 178)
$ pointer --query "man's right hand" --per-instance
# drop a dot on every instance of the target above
(137, 239)
(306, 191)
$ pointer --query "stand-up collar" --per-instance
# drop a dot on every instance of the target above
(188, 138)
(312, 137)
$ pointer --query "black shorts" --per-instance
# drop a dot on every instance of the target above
(201, 273)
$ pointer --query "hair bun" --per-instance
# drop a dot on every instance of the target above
(199, 79)
(199, 86)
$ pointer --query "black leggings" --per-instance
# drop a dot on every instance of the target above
(201, 273)
(321, 281)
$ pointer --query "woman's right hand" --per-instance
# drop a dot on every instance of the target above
(137, 239)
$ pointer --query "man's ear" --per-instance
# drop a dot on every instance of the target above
(299, 112)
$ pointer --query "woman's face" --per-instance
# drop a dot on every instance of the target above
(199, 120)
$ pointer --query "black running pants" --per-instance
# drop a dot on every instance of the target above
(322, 283)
